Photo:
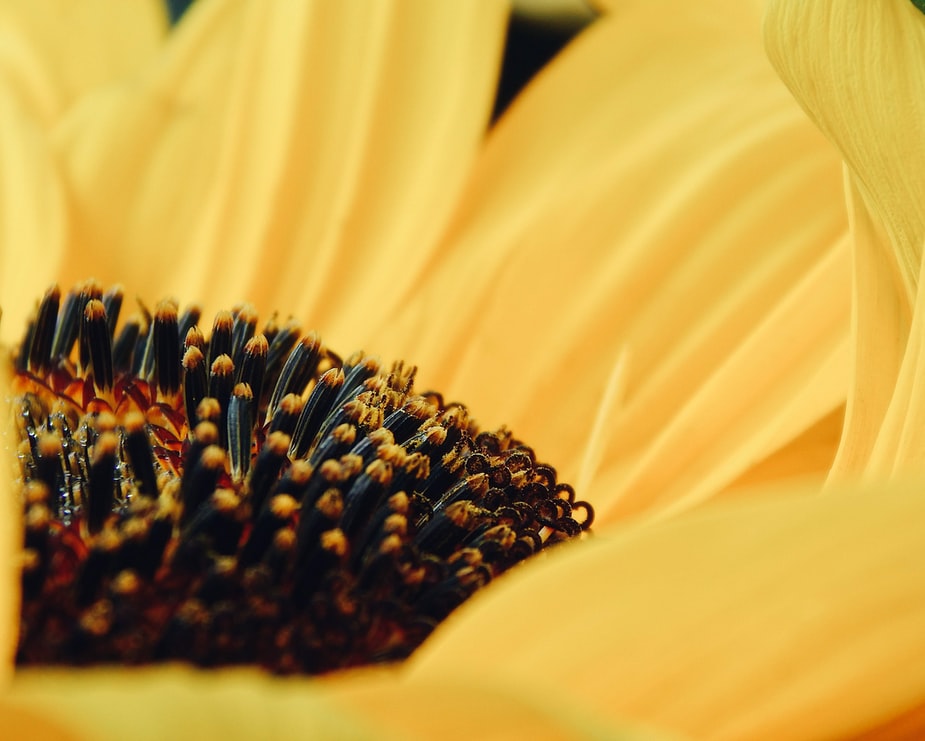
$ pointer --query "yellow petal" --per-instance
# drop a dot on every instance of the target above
(55, 51)
(300, 156)
(806, 457)
(33, 223)
(10, 532)
(882, 317)
(623, 205)
(19, 724)
(477, 707)
(181, 703)
(855, 68)
(787, 617)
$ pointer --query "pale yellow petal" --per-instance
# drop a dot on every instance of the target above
(55, 51)
(181, 703)
(783, 376)
(900, 443)
(300, 156)
(10, 535)
(881, 321)
(855, 68)
(33, 220)
(624, 204)
(795, 616)
(478, 707)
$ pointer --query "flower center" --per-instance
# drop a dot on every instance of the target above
(252, 498)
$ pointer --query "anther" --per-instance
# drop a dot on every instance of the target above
(139, 453)
(221, 384)
(96, 345)
(266, 469)
(363, 497)
(167, 349)
(251, 364)
(125, 343)
(48, 466)
(101, 492)
(315, 411)
(287, 416)
(112, 302)
(194, 338)
(220, 339)
(195, 380)
(189, 323)
(336, 443)
(201, 481)
(297, 370)
(68, 325)
(240, 422)
(279, 512)
(245, 325)
(282, 341)
(40, 345)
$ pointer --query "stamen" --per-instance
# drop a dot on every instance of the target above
(167, 349)
(297, 370)
(250, 497)
(220, 340)
(240, 418)
(251, 363)
(40, 346)
(96, 344)
(195, 380)
(245, 325)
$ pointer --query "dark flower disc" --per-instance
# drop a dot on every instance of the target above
(251, 498)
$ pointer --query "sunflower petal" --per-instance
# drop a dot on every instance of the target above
(882, 321)
(19, 723)
(479, 708)
(770, 619)
(181, 703)
(33, 222)
(855, 68)
(10, 536)
(242, 704)
(55, 51)
(624, 203)
(297, 156)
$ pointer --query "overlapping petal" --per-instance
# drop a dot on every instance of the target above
(792, 616)
(675, 209)
(301, 156)
(855, 68)
(52, 52)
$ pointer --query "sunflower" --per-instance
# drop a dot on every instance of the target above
(644, 269)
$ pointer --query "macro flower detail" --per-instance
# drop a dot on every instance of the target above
(251, 497)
